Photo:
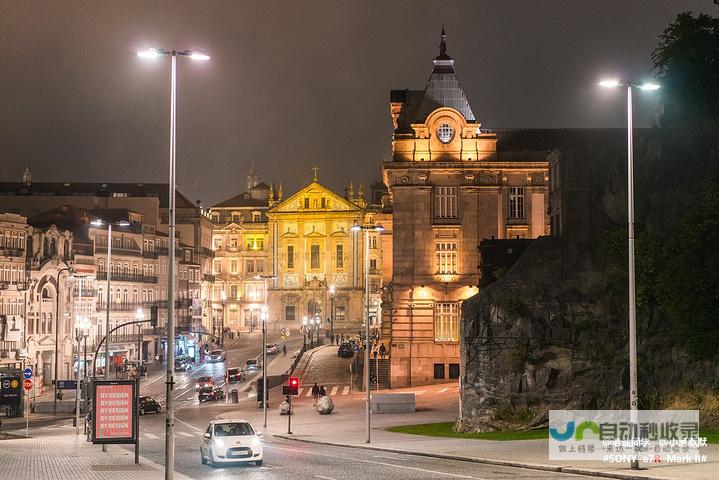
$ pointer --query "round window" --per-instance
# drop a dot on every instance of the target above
(445, 132)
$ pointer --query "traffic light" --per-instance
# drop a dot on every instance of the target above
(294, 386)
(153, 316)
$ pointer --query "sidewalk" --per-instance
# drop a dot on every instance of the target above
(66, 456)
(346, 427)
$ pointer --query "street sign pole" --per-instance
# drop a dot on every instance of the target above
(289, 418)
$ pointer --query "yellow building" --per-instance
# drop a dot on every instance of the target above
(314, 251)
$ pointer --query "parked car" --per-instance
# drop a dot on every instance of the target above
(210, 393)
(252, 365)
(216, 356)
(182, 365)
(227, 441)
(272, 348)
(205, 381)
(147, 404)
(345, 350)
(235, 375)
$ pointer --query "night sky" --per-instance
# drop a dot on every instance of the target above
(291, 84)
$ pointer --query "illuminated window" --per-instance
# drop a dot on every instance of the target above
(233, 266)
(290, 256)
(254, 292)
(217, 266)
(340, 256)
(315, 256)
(233, 291)
(446, 322)
(516, 202)
(446, 257)
(445, 132)
(445, 202)
(290, 312)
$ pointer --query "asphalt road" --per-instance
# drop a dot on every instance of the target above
(286, 459)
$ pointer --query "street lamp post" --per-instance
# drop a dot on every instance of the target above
(366, 229)
(170, 413)
(633, 387)
(332, 314)
(57, 332)
(223, 297)
(304, 333)
(80, 326)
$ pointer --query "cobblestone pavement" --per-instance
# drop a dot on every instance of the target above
(59, 455)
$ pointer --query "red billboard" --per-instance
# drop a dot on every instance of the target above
(113, 412)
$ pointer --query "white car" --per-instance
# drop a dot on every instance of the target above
(272, 348)
(230, 441)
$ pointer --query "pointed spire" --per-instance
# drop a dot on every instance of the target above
(351, 191)
(360, 191)
(279, 193)
(443, 47)
(271, 195)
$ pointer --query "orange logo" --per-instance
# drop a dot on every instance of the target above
(14, 383)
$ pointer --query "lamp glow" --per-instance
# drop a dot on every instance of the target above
(199, 56)
(150, 53)
(649, 86)
(97, 222)
(610, 83)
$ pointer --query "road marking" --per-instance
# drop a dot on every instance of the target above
(185, 434)
(334, 390)
(151, 436)
(325, 478)
(309, 392)
(442, 390)
(191, 426)
(346, 390)
(418, 393)
(305, 452)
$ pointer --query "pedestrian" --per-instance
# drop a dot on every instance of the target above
(337, 338)
(284, 350)
(118, 372)
(322, 392)
(157, 360)
(374, 355)
(382, 351)
(315, 393)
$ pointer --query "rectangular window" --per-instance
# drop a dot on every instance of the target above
(339, 314)
(307, 203)
(340, 256)
(445, 202)
(446, 257)
(217, 267)
(439, 371)
(290, 256)
(315, 256)
(446, 322)
(254, 292)
(233, 266)
(233, 291)
(516, 202)
(454, 371)
(324, 202)
(373, 264)
(250, 264)
(233, 242)
(290, 312)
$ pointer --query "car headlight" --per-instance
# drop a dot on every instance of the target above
(219, 442)
(256, 441)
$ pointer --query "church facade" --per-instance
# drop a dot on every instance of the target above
(451, 184)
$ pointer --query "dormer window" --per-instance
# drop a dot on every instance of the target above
(255, 216)
(445, 133)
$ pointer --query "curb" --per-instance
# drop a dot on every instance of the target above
(309, 359)
(502, 463)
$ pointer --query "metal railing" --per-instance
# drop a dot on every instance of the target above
(127, 277)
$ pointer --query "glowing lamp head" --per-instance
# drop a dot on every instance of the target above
(609, 83)
(150, 53)
(200, 57)
(649, 86)
(97, 223)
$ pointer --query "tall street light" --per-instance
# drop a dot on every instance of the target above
(223, 297)
(265, 314)
(154, 53)
(57, 332)
(366, 229)
(332, 314)
(633, 390)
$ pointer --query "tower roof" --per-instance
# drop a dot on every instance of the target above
(443, 88)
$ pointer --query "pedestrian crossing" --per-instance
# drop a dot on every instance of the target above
(179, 433)
(332, 390)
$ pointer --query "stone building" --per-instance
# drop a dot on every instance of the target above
(241, 251)
(314, 252)
(451, 184)
(13, 289)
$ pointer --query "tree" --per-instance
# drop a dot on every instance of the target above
(687, 64)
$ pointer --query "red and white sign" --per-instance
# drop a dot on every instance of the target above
(27, 384)
(114, 412)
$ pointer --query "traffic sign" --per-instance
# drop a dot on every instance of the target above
(27, 384)
(66, 384)
(28, 372)
(10, 391)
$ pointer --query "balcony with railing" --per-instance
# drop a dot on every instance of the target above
(127, 277)
(150, 253)
(12, 252)
(131, 251)
(120, 306)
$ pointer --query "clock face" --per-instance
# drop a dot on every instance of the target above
(445, 133)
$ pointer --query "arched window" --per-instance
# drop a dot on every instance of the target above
(66, 249)
(53, 247)
(43, 323)
(45, 248)
(100, 295)
(28, 244)
(46, 293)
(49, 323)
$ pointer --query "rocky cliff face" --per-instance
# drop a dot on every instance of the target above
(552, 332)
